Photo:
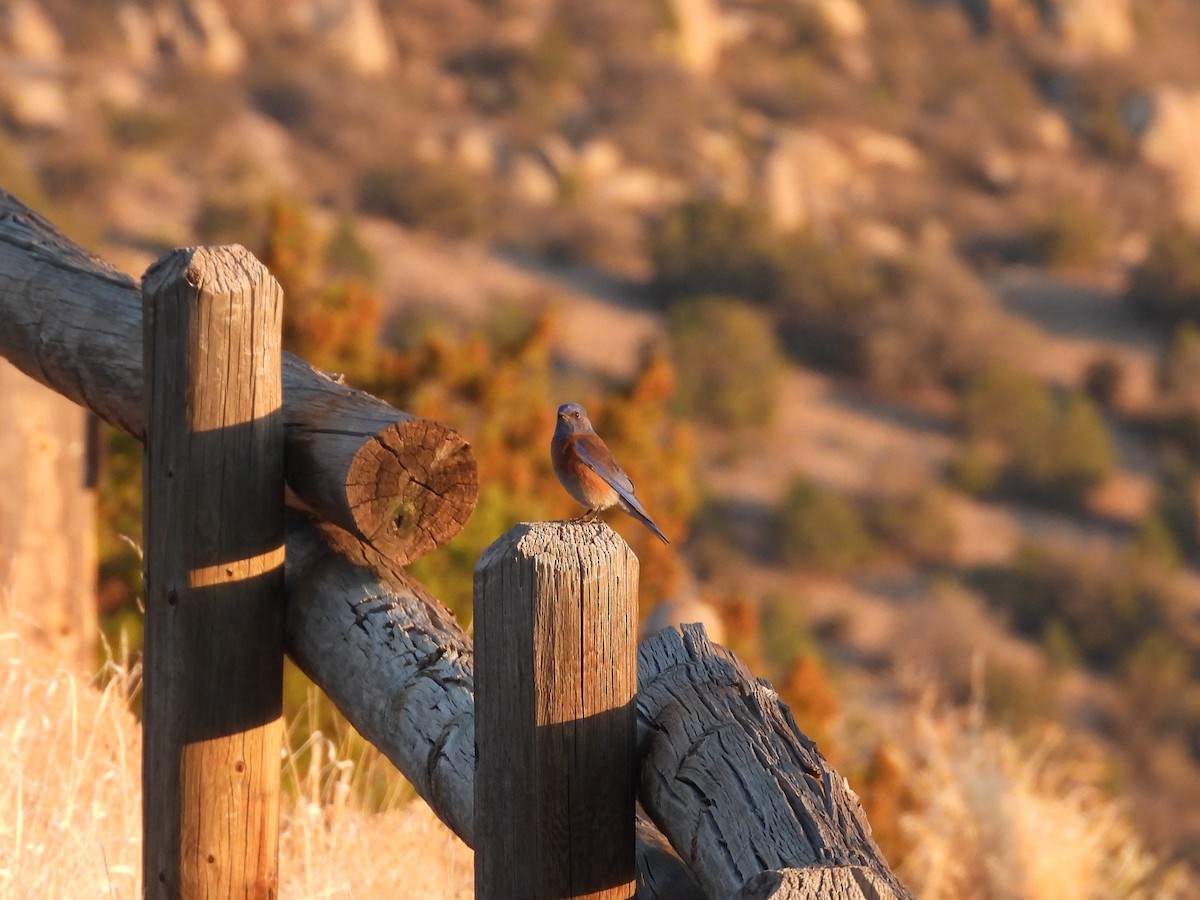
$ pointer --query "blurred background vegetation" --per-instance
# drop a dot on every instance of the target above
(891, 309)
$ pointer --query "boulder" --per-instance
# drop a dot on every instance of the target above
(353, 31)
(805, 179)
(32, 91)
(1096, 28)
(1170, 142)
(698, 35)
(28, 33)
(194, 32)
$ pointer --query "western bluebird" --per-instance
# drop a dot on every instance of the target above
(586, 468)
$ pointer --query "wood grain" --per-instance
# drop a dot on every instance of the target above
(555, 624)
(213, 654)
(738, 789)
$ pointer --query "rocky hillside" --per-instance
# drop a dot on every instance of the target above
(1056, 131)
(925, 270)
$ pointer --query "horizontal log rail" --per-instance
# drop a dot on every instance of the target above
(726, 770)
(74, 323)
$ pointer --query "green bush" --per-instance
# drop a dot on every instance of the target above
(710, 246)
(817, 528)
(231, 220)
(1155, 544)
(142, 129)
(1070, 234)
(1092, 601)
(1103, 380)
(1179, 372)
(927, 321)
(919, 524)
(441, 197)
(1083, 451)
(1007, 406)
(1175, 507)
(727, 362)
(976, 468)
(826, 292)
(347, 256)
(1166, 286)
(1178, 407)
(1045, 446)
(915, 323)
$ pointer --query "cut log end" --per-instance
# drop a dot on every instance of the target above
(412, 488)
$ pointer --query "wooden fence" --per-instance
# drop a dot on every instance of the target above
(747, 806)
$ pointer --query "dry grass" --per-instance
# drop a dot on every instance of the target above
(330, 847)
(1002, 818)
(70, 762)
(996, 818)
(70, 769)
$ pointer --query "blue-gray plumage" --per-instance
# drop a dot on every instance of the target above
(587, 470)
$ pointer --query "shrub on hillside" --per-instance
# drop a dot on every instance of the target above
(1023, 438)
(902, 324)
(231, 219)
(1069, 234)
(711, 246)
(930, 321)
(1106, 603)
(347, 255)
(1165, 287)
(817, 528)
(1175, 507)
(441, 197)
(727, 362)
(919, 524)
(1103, 380)
(1179, 390)
(826, 292)
(1083, 451)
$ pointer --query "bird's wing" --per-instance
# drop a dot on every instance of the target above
(599, 459)
(596, 455)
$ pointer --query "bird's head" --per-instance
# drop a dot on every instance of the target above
(572, 419)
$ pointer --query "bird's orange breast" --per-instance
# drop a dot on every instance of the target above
(577, 477)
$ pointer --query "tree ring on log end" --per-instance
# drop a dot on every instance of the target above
(412, 488)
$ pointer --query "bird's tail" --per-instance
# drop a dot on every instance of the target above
(634, 508)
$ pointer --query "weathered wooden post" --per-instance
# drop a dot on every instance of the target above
(214, 575)
(556, 678)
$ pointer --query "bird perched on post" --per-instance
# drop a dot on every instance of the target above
(586, 468)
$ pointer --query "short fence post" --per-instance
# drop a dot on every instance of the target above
(214, 576)
(556, 680)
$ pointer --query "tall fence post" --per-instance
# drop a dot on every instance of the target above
(214, 576)
(556, 679)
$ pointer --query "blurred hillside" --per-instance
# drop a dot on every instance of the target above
(890, 307)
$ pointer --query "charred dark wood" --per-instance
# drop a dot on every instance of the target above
(747, 800)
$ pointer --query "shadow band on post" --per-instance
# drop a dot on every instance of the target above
(214, 531)
(555, 681)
